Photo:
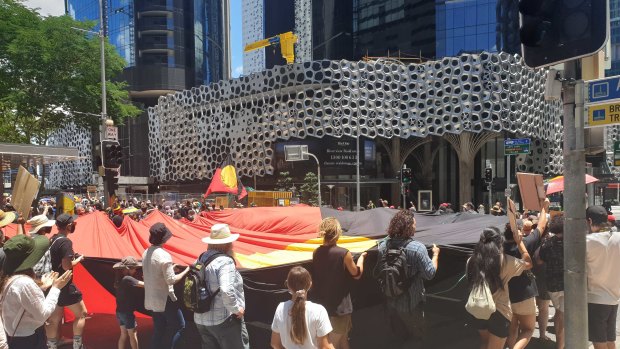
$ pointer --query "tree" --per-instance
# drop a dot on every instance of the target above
(50, 75)
(284, 182)
(309, 190)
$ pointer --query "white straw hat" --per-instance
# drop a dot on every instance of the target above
(220, 234)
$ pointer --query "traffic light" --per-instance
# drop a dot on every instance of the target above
(406, 175)
(553, 31)
(488, 175)
(111, 180)
(111, 154)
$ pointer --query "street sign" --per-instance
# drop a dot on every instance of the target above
(601, 91)
(516, 146)
(603, 114)
(295, 152)
(617, 153)
(111, 133)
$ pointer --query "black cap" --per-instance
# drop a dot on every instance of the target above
(159, 234)
(598, 214)
(64, 219)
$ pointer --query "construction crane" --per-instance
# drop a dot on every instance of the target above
(286, 41)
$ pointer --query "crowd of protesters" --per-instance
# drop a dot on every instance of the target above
(523, 270)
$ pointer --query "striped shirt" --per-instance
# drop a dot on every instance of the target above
(222, 273)
(419, 266)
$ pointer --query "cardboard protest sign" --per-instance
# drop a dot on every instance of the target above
(512, 218)
(532, 190)
(25, 191)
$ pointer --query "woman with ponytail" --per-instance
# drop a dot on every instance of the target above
(490, 264)
(299, 323)
(334, 271)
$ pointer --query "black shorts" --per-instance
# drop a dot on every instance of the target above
(497, 324)
(69, 295)
(602, 322)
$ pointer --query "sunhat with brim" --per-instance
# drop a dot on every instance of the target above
(127, 263)
(23, 252)
(6, 218)
(39, 222)
(220, 234)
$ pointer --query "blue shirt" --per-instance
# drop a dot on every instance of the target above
(222, 273)
(419, 266)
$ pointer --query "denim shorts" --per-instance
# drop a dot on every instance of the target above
(126, 319)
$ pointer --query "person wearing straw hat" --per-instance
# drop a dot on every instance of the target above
(6, 218)
(159, 297)
(223, 327)
(126, 285)
(40, 225)
(25, 308)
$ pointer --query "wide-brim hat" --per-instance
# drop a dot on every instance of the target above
(128, 262)
(6, 218)
(39, 222)
(23, 252)
(220, 234)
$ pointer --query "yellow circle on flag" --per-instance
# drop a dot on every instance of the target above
(229, 176)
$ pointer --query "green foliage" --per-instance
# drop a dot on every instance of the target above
(309, 190)
(49, 71)
(284, 182)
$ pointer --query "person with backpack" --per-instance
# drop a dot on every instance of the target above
(126, 285)
(334, 269)
(63, 258)
(402, 267)
(299, 323)
(488, 272)
(159, 296)
(221, 325)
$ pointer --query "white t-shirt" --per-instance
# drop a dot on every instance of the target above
(317, 321)
(603, 258)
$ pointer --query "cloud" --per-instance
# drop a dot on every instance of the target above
(47, 7)
(238, 71)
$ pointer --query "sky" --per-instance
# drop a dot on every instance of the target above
(57, 8)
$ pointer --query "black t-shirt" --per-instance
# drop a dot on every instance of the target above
(523, 287)
(331, 280)
(60, 249)
(127, 295)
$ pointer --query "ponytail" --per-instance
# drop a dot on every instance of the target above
(298, 282)
(330, 230)
(298, 318)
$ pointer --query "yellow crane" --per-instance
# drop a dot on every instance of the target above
(285, 40)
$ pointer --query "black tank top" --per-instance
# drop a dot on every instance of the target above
(331, 281)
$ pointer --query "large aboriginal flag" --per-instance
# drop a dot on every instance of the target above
(272, 239)
(225, 179)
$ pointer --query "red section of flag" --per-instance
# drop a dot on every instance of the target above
(217, 184)
(242, 192)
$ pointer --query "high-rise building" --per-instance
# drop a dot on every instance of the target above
(353, 29)
(168, 45)
(614, 37)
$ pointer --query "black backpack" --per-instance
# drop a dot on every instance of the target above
(196, 293)
(391, 270)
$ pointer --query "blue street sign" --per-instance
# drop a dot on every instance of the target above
(603, 90)
(516, 146)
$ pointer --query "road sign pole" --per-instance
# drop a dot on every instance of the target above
(508, 172)
(575, 287)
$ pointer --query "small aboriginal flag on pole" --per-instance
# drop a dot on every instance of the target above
(225, 179)
(242, 192)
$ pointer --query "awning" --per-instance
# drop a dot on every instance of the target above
(13, 155)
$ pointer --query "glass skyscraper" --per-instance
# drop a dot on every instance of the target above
(614, 37)
(168, 45)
